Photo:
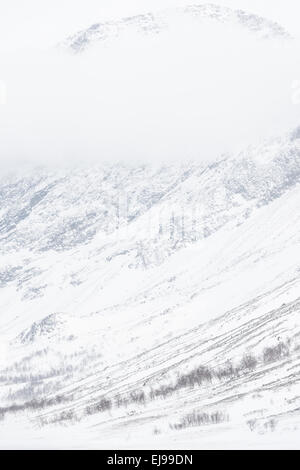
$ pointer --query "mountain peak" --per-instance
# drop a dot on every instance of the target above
(154, 23)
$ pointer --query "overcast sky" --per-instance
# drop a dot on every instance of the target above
(41, 23)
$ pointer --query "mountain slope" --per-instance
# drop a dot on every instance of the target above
(157, 296)
(150, 24)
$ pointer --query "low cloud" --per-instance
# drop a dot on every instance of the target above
(190, 93)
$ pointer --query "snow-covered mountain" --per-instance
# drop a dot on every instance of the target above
(138, 302)
(149, 304)
(150, 24)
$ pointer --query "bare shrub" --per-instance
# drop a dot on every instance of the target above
(270, 425)
(121, 401)
(200, 419)
(103, 405)
(262, 426)
(228, 371)
(34, 405)
(64, 417)
(195, 377)
(162, 392)
(248, 362)
(272, 354)
(138, 397)
(252, 424)
(156, 431)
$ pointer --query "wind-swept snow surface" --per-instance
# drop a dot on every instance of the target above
(161, 299)
(149, 268)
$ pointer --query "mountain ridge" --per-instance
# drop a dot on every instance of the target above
(150, 23)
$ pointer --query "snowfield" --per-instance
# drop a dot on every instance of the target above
(147, 304)
(168, 318)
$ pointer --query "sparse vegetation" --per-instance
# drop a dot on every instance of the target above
(156, 431)
(138, 397)
(203, 375)
(34, 405)
(249, 362)
(63, 418)
(103, 405)
(197, 377)
(200, 419)
(262, 426)
(272, 354)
